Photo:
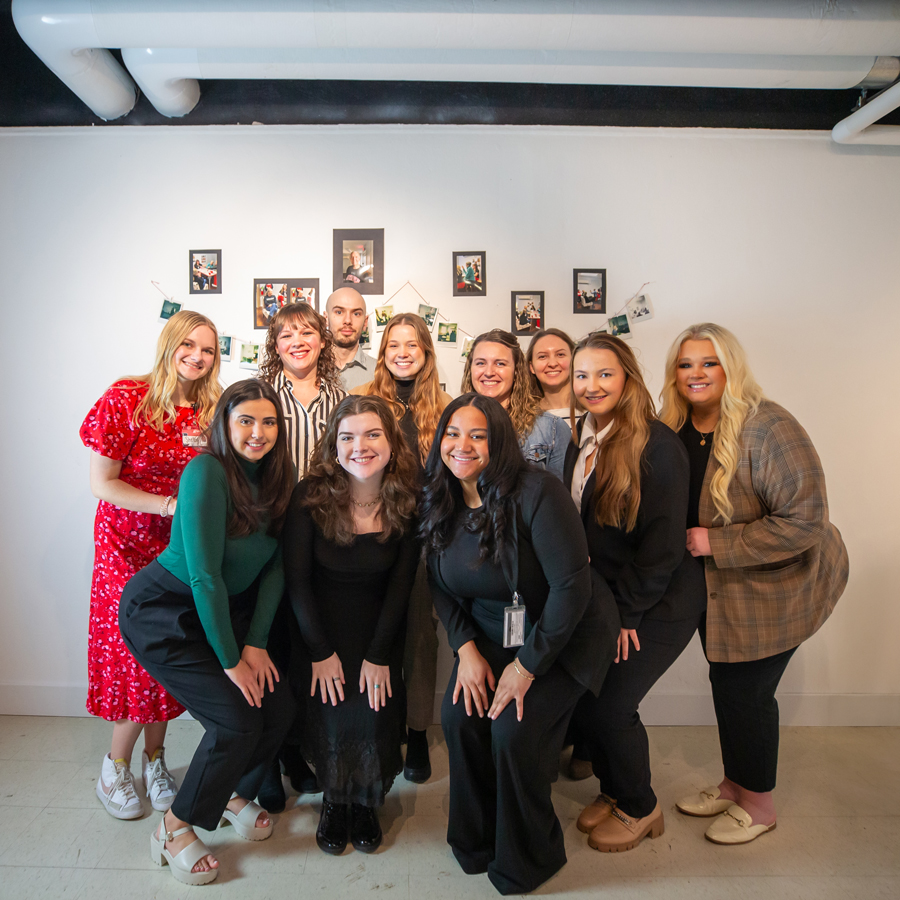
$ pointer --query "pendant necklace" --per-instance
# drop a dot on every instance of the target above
(703, 436)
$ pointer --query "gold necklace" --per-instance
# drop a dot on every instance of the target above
(366, 505)
(703, 436)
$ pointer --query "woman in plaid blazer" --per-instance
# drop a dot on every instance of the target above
(775, 565)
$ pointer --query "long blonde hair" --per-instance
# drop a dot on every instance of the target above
(740, 400)
(524, 403)
(157, 408)
(426, 402)
(617, 484)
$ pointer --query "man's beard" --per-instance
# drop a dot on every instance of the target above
(343, 343)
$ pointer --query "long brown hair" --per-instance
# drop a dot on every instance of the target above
(328, 496)
(524, 404)
(617, 484)
(426, 403)
(276, 471)
(536, 385)
(326, 367)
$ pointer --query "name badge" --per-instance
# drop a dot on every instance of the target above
(514, 623)
(192, 436)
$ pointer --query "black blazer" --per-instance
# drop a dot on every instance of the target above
(649, 569)
(572, 610)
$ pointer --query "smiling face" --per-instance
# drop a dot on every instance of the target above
(699, 376)
(403, 354)
(346, 315)
(298, 345)
(598, 381)
(493, 371)
(195, 355)
(253, 428)
(464, 446)
(363, 449)
(551, 361)
(354, 259)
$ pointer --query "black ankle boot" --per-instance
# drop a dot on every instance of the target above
(303, 779)
(417, 767)
(331, 835)
(365, 829)
(271, 792)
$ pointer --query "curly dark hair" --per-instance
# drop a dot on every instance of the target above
(276, 471)
(327, 485)
(326, 367)
(498, 484)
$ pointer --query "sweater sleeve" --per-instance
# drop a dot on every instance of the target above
(560, 546)
(454, 617)
(396, 601)
(271, 590)
(203, 514)
(790, 482)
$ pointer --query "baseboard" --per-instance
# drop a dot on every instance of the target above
(657, 709)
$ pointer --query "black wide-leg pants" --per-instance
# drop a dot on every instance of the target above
(502, 819)
(161, 627)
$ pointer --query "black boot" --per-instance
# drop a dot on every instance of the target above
(365, 829)
(271, 792)
(303, 779)
(417, 767)
(331, 835)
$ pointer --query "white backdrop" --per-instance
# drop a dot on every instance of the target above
(784, 237)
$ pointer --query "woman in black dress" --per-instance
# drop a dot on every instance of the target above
(350, 560)
(502, 533)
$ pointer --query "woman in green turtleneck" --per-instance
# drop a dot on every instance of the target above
(198, 619)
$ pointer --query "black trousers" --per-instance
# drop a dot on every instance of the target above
(501, 818)
(161, 627)
(611, 724)
(747, 716)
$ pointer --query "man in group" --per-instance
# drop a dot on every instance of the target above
(347, 316)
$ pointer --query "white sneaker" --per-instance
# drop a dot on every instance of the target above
(115, 788)
(158, 781)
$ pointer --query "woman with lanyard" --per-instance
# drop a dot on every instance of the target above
(143, 432)
(496, 368)
(531, 628)
(775, 565)
(198, 620)
(350, 560)
(406, 377)
(629, 477)
(299, 364)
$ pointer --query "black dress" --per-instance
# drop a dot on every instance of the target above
(350, 600)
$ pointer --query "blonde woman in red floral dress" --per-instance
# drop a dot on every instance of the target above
(143, 432)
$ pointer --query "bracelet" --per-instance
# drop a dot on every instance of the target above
(516, 664)
(164, 508)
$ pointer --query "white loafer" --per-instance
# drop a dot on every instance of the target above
(182, 863)
(706, 803)
(244, 822)
(735, 826)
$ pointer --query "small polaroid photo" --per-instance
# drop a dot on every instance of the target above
(429, 314)
(466, 348)
(383, 315)
(250, 356)
(639, 309)
(446, 333)
(206, 272)
(365, 341)
(169, 308)
(618, 327)
(225, 344)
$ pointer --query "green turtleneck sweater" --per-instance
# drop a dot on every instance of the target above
(216, 566)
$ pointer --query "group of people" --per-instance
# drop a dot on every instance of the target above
(274, 557)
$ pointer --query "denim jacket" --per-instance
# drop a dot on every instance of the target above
(545, 445)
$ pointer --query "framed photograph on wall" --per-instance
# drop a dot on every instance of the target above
(358, 256)
(205, 272)
(271, 294)
(469, 273)
(589, 290)
(527, 312)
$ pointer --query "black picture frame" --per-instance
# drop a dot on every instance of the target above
(526, 322)
(476, 284)
(208, 278)
(284, 291)
(588, 281)
(370, 243)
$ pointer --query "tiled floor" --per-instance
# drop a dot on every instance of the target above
(838, 831)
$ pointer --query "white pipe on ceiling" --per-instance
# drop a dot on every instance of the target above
(170, 44)
(857, 128)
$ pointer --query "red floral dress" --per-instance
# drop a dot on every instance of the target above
(125, 542)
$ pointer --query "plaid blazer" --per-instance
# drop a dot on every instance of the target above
(777, 571)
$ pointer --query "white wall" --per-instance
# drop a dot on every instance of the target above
(786, 238)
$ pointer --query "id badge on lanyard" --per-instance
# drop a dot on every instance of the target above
(192, 435)
(514, 623)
